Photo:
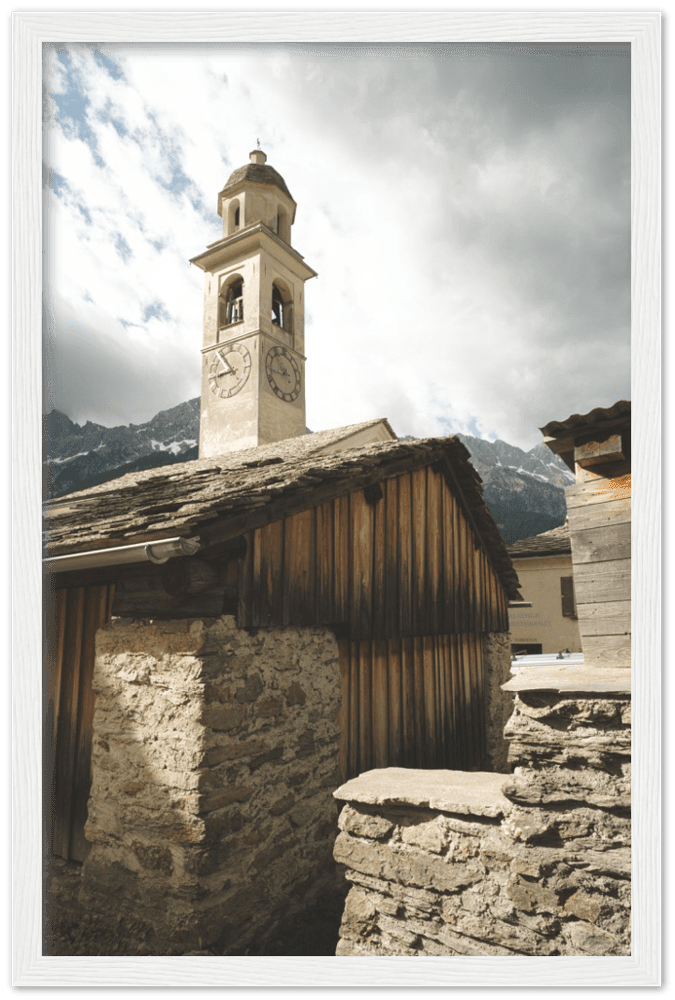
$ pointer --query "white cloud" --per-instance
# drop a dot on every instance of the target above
(468, 220)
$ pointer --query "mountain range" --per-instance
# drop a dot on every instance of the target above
(523, 489)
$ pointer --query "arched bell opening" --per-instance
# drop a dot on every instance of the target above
(282, 307)
(231, 302)
(234, 217)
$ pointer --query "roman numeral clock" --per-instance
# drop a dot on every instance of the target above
(253, 361)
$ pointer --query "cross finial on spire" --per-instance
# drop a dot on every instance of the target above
(258, 141)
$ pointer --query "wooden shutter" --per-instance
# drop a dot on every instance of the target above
(569, 609)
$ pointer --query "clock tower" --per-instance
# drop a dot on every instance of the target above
(253, 353)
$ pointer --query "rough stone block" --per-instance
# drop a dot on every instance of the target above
(363, 824)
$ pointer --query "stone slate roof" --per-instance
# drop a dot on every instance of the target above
(548, 543)
(578, 422)
(259, 173)
(222, 497)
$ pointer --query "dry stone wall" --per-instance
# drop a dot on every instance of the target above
(498, 702)
(215, 755)
(537, 863)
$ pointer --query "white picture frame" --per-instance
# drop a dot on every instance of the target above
(32, 30)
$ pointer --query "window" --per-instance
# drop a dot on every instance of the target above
(569, 607)
(234, 217)
(277, 307)
(282, 307)
(232, 303)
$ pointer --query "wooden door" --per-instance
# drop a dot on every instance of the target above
(73, 617)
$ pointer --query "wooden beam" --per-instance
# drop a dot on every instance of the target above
(181, 577)
(599, 452)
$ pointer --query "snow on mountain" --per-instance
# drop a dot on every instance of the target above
(524, 490)
(80, 456)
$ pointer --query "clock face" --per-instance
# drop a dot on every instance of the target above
(283, 373)
(229, 370)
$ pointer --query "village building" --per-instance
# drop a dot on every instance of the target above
(547, 620)
(232, 637)
(596, 447)
(447, 862)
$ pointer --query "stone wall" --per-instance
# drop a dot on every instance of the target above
(498, 702)
(456, 863)
(214, 759)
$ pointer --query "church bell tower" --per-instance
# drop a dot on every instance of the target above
(253, 353)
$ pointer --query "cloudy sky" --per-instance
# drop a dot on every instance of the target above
(466, 208)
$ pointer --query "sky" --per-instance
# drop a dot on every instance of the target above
(467, 209)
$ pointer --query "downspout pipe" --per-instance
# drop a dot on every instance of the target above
(155, 552)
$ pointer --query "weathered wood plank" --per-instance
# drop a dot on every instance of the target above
(181, 577)
(55, 627)
(391, 557)
(459, 599)
(66, 747)
(326, 569)
(605, 543)
(408, 715)
(299, 573)
(599, 582)
(457, 701)
(597, 515)
(342, 568)
(478, 697)
(434, 590)
(470, 734)
(420, 703)
(361, 560)
(405, 595)
(430, 701)
(592, 453)
(94, 617)
(449, 561)
(380, 582)
(419, 551)
(244, 586)
(156, 603)
(612, 471)
(606, 650)
(268, 574)
(380, 703)
(606, 618)
(468, 606)
(395, 700)
(598, 490)
(365, 730)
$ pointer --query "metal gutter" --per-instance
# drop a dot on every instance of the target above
(155, 552)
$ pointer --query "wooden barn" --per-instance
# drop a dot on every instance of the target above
(390, 545)
(596, 447)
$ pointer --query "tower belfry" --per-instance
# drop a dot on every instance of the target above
(253, 360)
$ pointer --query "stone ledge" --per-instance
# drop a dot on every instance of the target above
(464, 793)
(582, 680)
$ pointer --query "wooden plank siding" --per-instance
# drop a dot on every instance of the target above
(407, 713)
(402, 565)
(78, 614)
(599, 517)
